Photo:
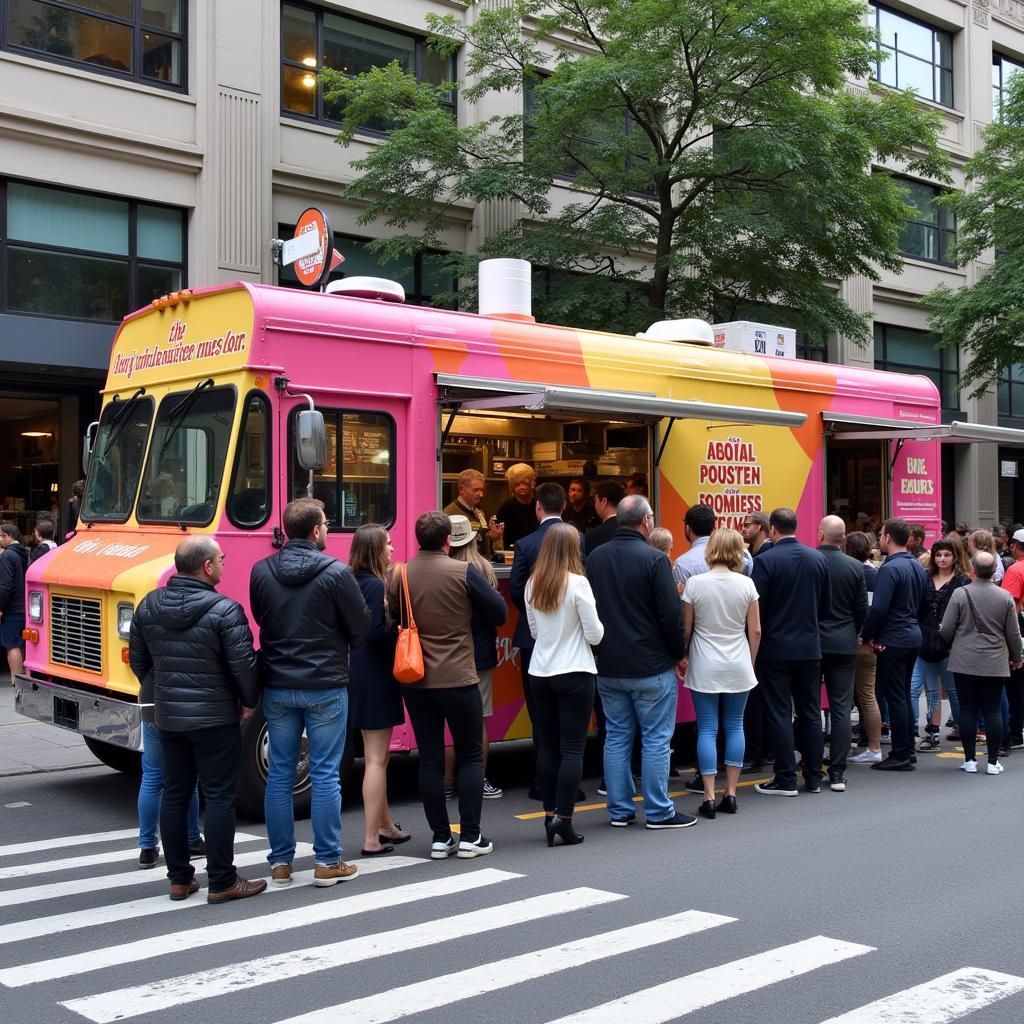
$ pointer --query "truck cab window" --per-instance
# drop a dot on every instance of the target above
(249, 499)
(185, 466)
(116, 461)
(358, 483)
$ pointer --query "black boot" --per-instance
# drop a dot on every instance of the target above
(556, 826)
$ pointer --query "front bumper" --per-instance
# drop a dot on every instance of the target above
(95, 716)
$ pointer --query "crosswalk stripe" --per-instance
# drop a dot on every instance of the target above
(716, 984)
(61, 842)
(74, 920)
(106, 1007)
(944, 999)
(231, 931)
(476, 981)
(88, 860)
(76, 886)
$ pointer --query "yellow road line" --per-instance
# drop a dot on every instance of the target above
(533, 815)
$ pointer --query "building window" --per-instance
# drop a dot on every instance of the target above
(1003, 70)
(931, 232)
(903, 350)
(312, 38)
(1010, 392)
(422, 276)
(919, 57)
(141, 40)
(82, 256)
(357, 485)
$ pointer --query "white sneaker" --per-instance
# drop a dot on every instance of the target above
(866, 757)
(443, 849)
(971, 767)
(480, 847)
(994, 769)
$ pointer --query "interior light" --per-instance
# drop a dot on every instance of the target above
(309, 81)
(310, 62)
(36, 433)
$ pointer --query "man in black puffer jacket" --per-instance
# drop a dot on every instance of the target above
(193, 653)
(310, 612)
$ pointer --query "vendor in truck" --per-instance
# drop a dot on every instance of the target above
(518, 515)
(468, 503)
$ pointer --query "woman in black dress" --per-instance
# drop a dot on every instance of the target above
(375, 700)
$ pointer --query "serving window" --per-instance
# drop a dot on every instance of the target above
(357, 485)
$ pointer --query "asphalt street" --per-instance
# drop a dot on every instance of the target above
(792, 912)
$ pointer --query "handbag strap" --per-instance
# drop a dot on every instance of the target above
(974, 611)
(406, 599)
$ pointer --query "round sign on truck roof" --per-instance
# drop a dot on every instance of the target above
(312, 270)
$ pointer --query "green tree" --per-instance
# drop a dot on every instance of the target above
(987, 318)
(716, 142)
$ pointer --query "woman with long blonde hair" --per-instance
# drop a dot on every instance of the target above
(563, 621)
(375, 700)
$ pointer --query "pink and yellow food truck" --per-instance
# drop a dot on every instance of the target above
(204, 400)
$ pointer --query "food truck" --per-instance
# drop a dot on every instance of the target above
(206, 428)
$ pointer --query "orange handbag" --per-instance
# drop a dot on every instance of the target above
(408, 666)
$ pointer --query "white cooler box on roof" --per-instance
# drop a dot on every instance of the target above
(756, 339)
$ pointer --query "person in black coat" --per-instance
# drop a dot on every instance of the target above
(839, 631)
(793, 587)
(13, 563)
(549, 507)
(192, 651)
(310, 612)
(374, 695)
(606, 500)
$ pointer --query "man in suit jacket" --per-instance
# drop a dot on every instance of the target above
(606, 500)
(839, 632)
(549, 505)
(793, 585)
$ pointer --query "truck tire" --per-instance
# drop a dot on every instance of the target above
(252, 778)
(121, 759)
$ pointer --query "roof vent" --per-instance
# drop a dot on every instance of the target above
(368, 288)
(689, 331)
(505, 289)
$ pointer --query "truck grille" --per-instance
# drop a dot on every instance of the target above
(75, 632)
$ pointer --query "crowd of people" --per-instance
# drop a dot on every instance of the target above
(755, 623)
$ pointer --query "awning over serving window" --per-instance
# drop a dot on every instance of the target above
(848, 427)
(459, 392)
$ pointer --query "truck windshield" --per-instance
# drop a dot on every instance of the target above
(116, 460)
(185, 467)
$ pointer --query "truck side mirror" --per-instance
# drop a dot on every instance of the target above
(87, 447)
(311, 440)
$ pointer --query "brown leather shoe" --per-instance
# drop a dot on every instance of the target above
(182, 892)
(281, 874)
(239, 891)
(331, 874)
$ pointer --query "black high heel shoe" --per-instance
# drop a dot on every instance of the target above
(556, 826)
(727, 805)
(707, 809)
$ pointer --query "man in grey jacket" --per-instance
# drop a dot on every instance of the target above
(981, 624)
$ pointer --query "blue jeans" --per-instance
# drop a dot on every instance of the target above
(650, 703)
(151, 790)
(324, 716)
(707, 706)
(932, 676)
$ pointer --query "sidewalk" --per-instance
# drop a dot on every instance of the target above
(27, 746)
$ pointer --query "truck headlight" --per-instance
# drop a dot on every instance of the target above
(124, 620)
(35, 605)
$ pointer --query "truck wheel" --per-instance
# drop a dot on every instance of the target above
(252, 778)
(121, 759)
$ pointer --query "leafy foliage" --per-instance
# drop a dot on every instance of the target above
(714, 151)
(987, 318)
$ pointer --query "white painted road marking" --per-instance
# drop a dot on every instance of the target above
(106, 1007)
(89, 859)
(17, 849)
(76, 886)
(716, 984)
(113, 913)
(231, 931)
(452, 988)
(936, 1002)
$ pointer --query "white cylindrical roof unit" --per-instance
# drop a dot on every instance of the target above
(505, 288)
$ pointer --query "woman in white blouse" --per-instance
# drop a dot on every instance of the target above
(723, 631)
(563, 621)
